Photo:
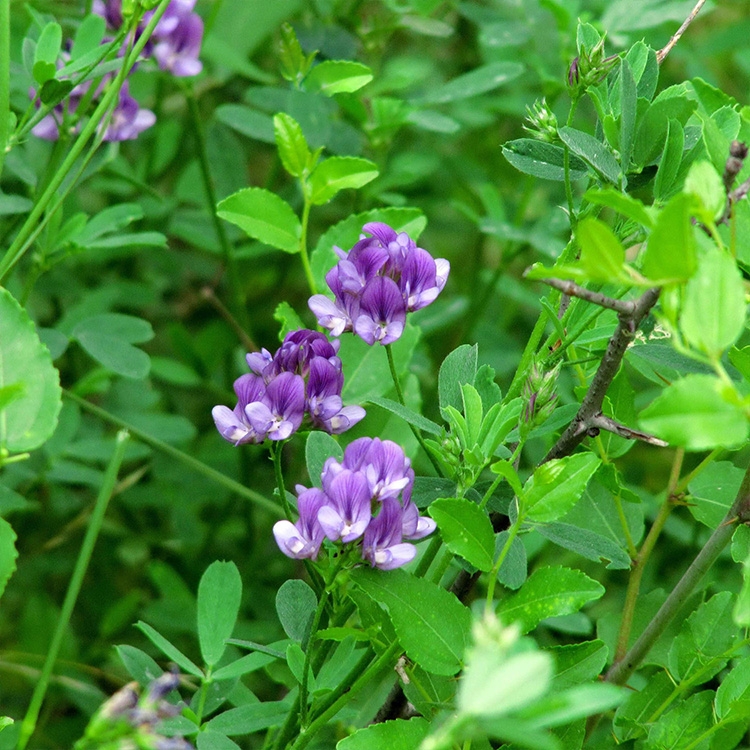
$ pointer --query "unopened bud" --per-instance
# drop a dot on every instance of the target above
(542, 123)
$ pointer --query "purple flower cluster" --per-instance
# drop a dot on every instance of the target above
(175, 45)
(303, 378)
(376, 283)
(359, 502)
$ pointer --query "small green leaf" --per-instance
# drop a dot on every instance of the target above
(169, 650)
(125, 327)
(250, 718)
(115, 354)
(514, 569)
(339, 173)
(338, 77)
(47, 50)
(293, 149)
(459, 367)
(602, 254)
(263, 216)
(705, 184)
(672, 104)
(432, 625)
(671, 159)
(549, 592)
(593, 152)
(544, 160)
(407, 414)
(287, 316)
(586, 543)
(628, 113)
(295, 605)
(219, 594)
(713, 491)
(478, 81)
(466, 530)
(472, 409)
(670, 254)
(54, 91)
(398, 734)
(622, 203)
(8, 553)
(734, 687)
(741, 610)
(29, 419)
(320, 446)
(556, 486)
(697, 413)
(88, 36)
(578, 662)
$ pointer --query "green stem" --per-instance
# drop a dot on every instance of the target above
(566, 167)
(34, 221)
(276, 448)
(429, 555)
(303, 246)
(84, 556)
(177, 454)
(621, 670)
(512, 533)
(235, 286)
(441, 565)
(379, 665)
(400, 395)
(322, 603)
(4, 79)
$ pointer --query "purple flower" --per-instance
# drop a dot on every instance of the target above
(387, 469)
(383, 545)
(303, 379)
(178, 37)
(302, 539)
(234, 425)
(414, 526)
(348, 511)
(384, 276)
(281, 410)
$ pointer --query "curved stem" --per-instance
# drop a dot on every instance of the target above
(76, 580)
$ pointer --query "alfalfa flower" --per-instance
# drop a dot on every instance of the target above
(381, 279)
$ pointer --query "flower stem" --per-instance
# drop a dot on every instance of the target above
(512, 533)
(176, 453)
(400, 395)
(84, 556)
(276, 448)
(303, 247)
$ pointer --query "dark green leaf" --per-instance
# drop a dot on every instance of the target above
(513, 571)
(544, 160)
(295, 604)
(478, 81)
(628, 113)
(320, 446)
(219, 595)
(169, 650)
(578, 663)
(249, 719)
(459, 367)
(431, 624)
(8, 553)
(586, 543)
(408, 415)
(593, 152)
(671, 159)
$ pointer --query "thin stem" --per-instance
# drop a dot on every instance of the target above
(621, 670)
(322, 602)
(84, 556)
(276, 448)
(400, 395)
(512, 533)
(36, 221)
(566, 166)
(233, 277)
(376, 667)
(664, 51)
(303, 247)
(4, 78)
(176, 453)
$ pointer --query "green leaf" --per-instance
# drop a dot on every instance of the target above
(115, 354)
(544, 160)
(47, 50)
(8, 553)
(685, 724)
(88, 36)
(169, 650)
(671, 104)
(249, 122)
(295, 605)
(320, 446)
(432, 625)
(339, 173)
(628, 113)
(459, 367)
(556, 486)
(263, 216)
(697, 412)
(338, 77)
(705, 184)
(586, 543)
(575, 703)
(9, 393)
(245, 665)
(219, 595)
(741, 610)
(293, 149)
(472, 409)
(478, 81)
(671, 159)
(253, 717)
(602, 254)
(495, 684)
(29, 420)
(140, 666)
(734, 687)
(670, 253)
(713, 491)
(407, 414)
(466, 530)
(578, 662)
(210, 740)
(593, 152)
(633, 717)
(125, 327)
(549, 592)
(622, 203)
(713, 310)
(398, 734)
(514, 569)
(287, 316)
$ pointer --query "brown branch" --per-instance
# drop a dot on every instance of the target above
(571, 289)
(603, 422)
(737, 154)
(664, 51)
(591, 407)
